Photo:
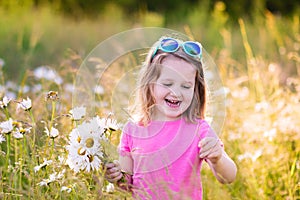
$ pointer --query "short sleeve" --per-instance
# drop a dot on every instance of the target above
(124, 147)
(206, 130)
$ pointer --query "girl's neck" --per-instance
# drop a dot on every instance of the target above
(167, 120)
(160, 118)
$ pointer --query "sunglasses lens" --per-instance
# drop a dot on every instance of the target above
(192, 48)
(169, 45)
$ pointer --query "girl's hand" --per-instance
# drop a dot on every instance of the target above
(211, 148)
(113, 171)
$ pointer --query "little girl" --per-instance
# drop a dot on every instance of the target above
(162, 148)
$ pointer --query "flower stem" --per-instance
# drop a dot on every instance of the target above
(52, 149)
(21, 163)
(34, 127)
(6, 113)
(7, 151)
(33, 158)
(7, 161)
(52, 115)
(50, 127)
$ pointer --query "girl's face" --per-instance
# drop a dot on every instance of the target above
(174, 89)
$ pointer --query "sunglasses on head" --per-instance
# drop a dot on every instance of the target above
(169, 45)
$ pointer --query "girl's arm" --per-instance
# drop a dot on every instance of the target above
(223, 167)
(126, 164)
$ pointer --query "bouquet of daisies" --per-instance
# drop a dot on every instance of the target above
(87, 143)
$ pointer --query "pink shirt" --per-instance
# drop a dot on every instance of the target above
(166, 163)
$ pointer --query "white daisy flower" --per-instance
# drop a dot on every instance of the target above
(46, 72)
(52, 177)
(65, 188)
(93, 162)
(53, 133)
(90, 139)
(44, 182)
(85, 149)
(6, 126)
(112, 124)
(17, 135)
(99, 89)
(97, 126)
(85, 154)
(44, 164)
(78, 113)
(25, 104)
(76, 158)
(75, 136)
(2, 139)
(24, 130)
(5, 101)
(110, 188)
(56, 176)
(61, 160)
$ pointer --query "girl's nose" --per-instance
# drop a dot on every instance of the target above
(175, 92)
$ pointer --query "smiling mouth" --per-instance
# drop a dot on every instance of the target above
(173, 103)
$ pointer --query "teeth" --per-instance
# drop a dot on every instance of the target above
(172, 101)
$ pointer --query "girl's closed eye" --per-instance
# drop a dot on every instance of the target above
(167, 84)
(187, 86)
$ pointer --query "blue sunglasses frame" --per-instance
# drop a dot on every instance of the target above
(187, 46)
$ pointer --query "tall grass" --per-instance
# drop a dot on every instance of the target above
(261, 128)
(258, 61)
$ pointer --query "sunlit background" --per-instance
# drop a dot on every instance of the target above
(255, 44)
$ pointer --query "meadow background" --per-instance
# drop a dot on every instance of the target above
(256, 45)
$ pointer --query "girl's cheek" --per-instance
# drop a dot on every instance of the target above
(189, 95)
(161, 90)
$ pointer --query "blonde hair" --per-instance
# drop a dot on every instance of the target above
(144, 103)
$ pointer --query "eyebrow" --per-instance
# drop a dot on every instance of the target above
(168, 79)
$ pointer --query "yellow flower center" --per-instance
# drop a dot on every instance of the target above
(22, 130)
(81, 151)
(52, 95)
(89, 142)
(78, 139)
(16, 124)
(90, 157)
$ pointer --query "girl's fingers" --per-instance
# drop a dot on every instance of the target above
(113, 176)
(203, 142)
(116, 162)
(215, 154)
(112, 164)
(115, 179)
(113, 171)
(112, 167)
(208, 146)
(109, 165)
(208, 143)
(209, 153)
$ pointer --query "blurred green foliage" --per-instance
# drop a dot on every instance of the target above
(39, 32)
(173, 10)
